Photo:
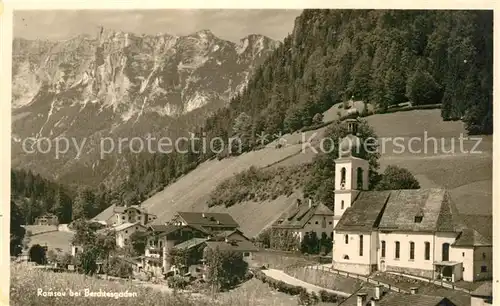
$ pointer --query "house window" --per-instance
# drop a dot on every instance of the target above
(316, 222)
(342, 204)
(330, 222)
(346, 239)
(126, 240)
(308, 222)
(136, 228)
(412, 250)
(151, 242)
(246, 254)
(360, 245)
(484, 255)
(161, 244)
(382, 249)
(463, 254)
(463, 269)
(484, 269)
(427, 251)
(396, 250)
(123, 217)
(418, 219)
(126, 232)
(323, 223)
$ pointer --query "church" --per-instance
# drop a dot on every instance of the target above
(417, 232)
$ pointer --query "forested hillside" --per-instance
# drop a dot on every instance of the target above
(381, 57)
(35, 196)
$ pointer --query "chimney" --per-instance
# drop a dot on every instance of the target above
(361, 299)
(413, 290)
(310, 203)
(203, 215)
(378, 292)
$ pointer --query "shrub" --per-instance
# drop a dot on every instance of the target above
(327, 297)
(118, 268)
(177, 282)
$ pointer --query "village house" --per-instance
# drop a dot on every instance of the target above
(380, 296)
(125, 230)
(305, 218)
(212, 222)
(231, 241)
(47, 219)
(117, 215)
(482, 296)
(192, 231)
(411, 231)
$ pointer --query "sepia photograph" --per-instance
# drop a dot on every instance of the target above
(245, 157)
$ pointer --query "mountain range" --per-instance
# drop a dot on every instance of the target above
(119, 85)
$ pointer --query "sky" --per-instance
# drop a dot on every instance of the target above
(229, 24)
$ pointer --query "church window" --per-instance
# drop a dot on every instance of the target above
(484, 255)
(360, 245)
(342, 177)
(484, 269)
(342, 204)
(346, 239)
(346, 257)
(396, 250)
(412, 250)
(427, 250)
(382, 249)
(323, 223)
(359, 178)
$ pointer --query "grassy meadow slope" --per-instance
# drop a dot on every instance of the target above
(53, 240)
(467, 176)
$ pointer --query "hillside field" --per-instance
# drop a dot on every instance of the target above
(467, 176)
(53, 240)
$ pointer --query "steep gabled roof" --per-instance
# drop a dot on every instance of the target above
(480, 223)
(365, 212)
(105, 214)
(485, 290)
(208, 219)
(190, 243)
(236, 246)
(297, 216)
(160, 228)
(470, 237)
(433, 205)
(414, 299)
(124, 226)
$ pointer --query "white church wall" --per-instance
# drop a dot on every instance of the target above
(419, 265)
(465, 255)
(440, 239)
(347, 256)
